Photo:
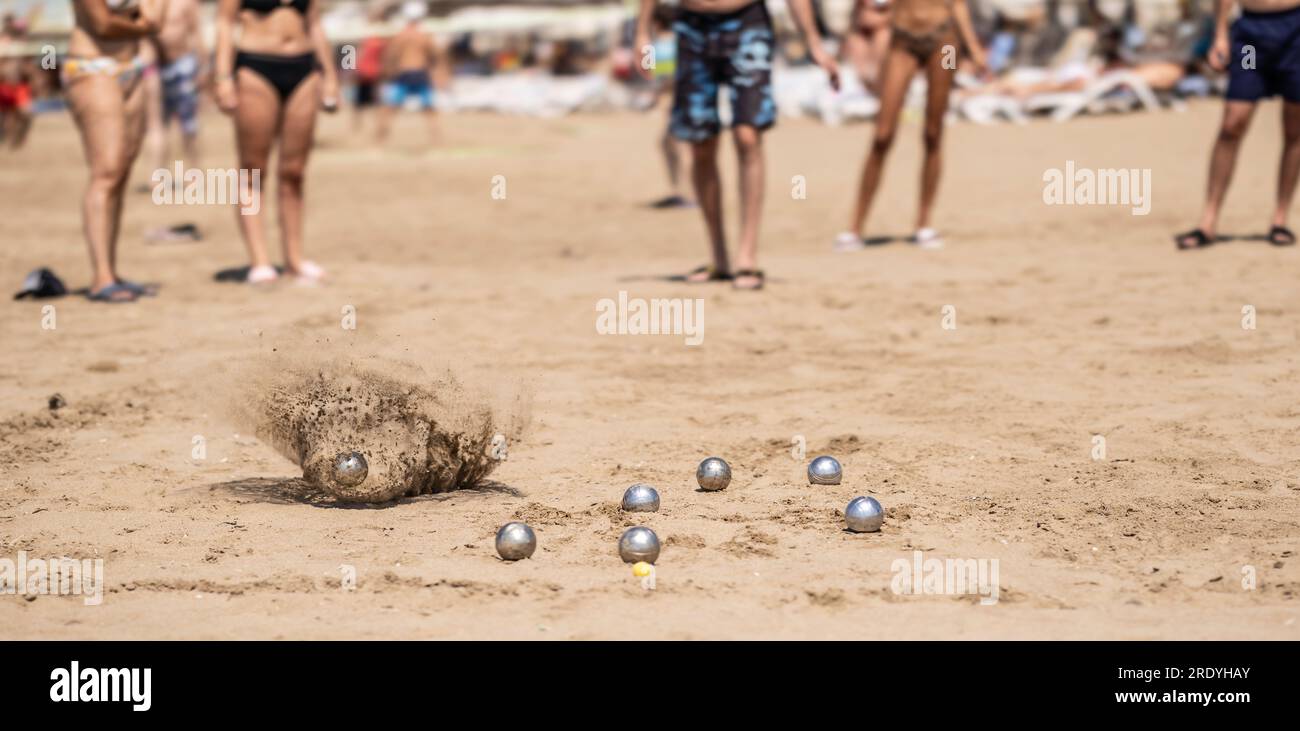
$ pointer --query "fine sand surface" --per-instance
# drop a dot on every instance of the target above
(1071, 322)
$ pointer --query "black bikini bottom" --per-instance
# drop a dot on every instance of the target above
(285, 73)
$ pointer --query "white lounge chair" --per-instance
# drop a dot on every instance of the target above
(1066, 105)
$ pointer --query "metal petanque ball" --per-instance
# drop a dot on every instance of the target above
(825, 470)
(515, 541)
(713, 474)
(641, 498)
(350, 469)
(639, 544)
(864, 515)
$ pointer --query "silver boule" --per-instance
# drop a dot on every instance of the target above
(641, 498)
(350, 469)
(713, 474)
(825, 470)
(639, 544)
(515, 541)
(864, 515)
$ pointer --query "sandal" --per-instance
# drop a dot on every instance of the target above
(927, 238)
(1281, 236)
(309, 272)
(179, 232)
(848, 241)
(264, 274)
(112, 293)
(755, 273)
(672, 201)
(1194, 239)
(714, 275)
(141, 290)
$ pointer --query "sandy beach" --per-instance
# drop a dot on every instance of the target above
(1071, 322)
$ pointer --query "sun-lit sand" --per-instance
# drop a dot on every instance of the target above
(1071, 322)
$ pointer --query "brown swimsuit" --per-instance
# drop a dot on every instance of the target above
(923, 45)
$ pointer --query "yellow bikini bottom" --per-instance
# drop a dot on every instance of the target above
(127, 72)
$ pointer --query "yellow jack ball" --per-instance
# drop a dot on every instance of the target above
(641, 568)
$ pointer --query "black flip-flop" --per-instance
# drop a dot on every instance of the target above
(1198, 240)
(756, 273)
(1281, 236)
(141, 290)
(108, 292)
(672, 201)
(714, 275)
(172, 234)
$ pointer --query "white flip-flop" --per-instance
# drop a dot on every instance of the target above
(264, 274)
(310, 272)
(848, 241)
(928, 238)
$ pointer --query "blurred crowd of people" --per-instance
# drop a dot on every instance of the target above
(133, 68)
(1035, 49)
(21, 81)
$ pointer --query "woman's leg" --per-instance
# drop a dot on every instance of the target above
(879, 49)
(897, 73)
(297, 130)
(256, 121)
(938, 87)
(135, 117)
(99, 112)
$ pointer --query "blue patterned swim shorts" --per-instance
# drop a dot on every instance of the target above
(723, 49)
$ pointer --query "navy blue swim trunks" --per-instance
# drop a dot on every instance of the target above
(1270, 44)
(723, 49)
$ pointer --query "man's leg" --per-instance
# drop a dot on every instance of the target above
(9, 123)
(190, 147)
(694, 119)
(187, 115)
(672, 162)
(391, 97)
(431, 119)
(20, 122)
(1236, 120)
(430, 113)
(155, 140)
(1289, 168)
(749, 150)
(708, 191)
(748, 75)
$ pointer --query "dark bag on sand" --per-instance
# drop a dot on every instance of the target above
(42, 284)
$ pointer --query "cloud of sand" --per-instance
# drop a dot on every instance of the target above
(420, 431)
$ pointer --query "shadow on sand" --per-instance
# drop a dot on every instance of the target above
(237, 275)
(869, 241)
(297, 491)
(1256, 238)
